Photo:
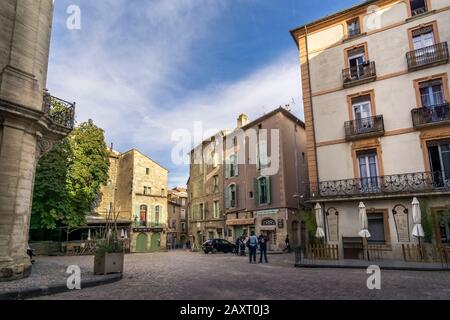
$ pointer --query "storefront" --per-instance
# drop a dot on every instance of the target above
(240, 227)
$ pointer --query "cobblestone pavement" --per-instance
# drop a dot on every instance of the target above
(195, 276)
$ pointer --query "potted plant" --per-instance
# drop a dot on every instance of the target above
(110, 253)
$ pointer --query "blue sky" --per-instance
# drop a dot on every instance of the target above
(142, 69)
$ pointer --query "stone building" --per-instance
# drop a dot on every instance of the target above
(205, 197)
(265, 177)
(177, 234)
(136, 194)
(377, 115)
(31, 121)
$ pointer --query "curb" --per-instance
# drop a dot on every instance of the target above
(319, 266)
(57, 288)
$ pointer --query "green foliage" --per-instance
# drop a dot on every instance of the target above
(108, 245)
(69, 177)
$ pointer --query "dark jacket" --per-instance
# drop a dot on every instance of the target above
(262, 240)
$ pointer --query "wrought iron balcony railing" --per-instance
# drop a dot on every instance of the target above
(60, 112)
(359, 74)
(434, 115)
(428, 56)
(363, 128)
(408, 183)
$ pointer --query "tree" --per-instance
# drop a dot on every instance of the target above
(68, 179)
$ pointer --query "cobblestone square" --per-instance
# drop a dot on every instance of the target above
(185, 275)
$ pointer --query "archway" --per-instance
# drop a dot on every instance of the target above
(141, 243)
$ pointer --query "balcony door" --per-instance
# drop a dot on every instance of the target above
(432, 98)
(362, 113)
(439, 152)
(423, 43)
(368, 171)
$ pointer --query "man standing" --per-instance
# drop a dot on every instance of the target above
(262, 239)
(252, 245)
(287, 245)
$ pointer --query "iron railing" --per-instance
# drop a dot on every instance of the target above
(361, 128)
(60, 112)
(431, 55)
(359, 74)
(420, 182)
(430, 115)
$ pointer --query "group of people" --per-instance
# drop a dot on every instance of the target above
(254, 242)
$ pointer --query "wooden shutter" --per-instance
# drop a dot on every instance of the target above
(236, 203)
(227, 168)
(153, 211)
(227, 197)
(268, 189)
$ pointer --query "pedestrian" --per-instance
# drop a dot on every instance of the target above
(252, 243)
(238, 245)
(262, 240)
(242, 246)
(287, 245)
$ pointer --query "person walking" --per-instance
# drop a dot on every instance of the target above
(238, 245)
(262, 239)
(287, 245)
(253, 246)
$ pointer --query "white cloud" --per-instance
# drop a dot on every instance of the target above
(116, 69)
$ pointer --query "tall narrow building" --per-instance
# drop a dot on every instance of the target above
(31, 121)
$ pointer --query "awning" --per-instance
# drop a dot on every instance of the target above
(240, 222)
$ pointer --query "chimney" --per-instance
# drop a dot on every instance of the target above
(242, 121)
(112, 146)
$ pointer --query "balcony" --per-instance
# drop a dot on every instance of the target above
(360, 74)
(407, 184)
(431, 116)
(60, 112)
(364, 128)
(428, 57)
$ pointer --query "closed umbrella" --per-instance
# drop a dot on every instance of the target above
(363, 223)
(89, 235)
(417, 219)
(319, 221)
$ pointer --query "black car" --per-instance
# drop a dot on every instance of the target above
(218, 245)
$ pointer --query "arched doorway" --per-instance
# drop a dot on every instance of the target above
(295, 233)
(141, 243)
(156, 242)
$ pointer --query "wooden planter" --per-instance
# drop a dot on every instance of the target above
(109, 263)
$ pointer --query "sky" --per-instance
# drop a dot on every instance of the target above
(145, 69)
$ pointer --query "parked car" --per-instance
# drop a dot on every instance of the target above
(218, 245)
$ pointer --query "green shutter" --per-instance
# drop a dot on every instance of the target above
(153, 211)
(236, 205)
(227, 197)
(256, 191)
(268, 189)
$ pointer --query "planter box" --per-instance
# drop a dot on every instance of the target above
(109, 263)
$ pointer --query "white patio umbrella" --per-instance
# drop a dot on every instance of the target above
(89, 235)
(320, 233)
(417, 219)
(363, 223)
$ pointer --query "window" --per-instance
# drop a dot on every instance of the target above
(423, 37)
(439, 153)
(183, 201)
(173, 209)
(216, 209)
(183, 227)
(183, 214)
(202, 211)
(231, 196)
(145, 190)
(216, 184)
(376, 228)
(353, 27)
(357, 62)
(418, 7)
(174, 224)
(368, 171)
(215, 159)
(362, 113)
(143, 215)
(262, 160)
(232, 167)
(147, 171)
(210, 235)
(163, 192)
(262, 190)
(432, 93)
(444, 226)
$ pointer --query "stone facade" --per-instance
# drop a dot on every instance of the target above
(136, 194)
(27, 130)
(177, 235)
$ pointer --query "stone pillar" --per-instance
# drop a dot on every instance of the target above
(24, 129)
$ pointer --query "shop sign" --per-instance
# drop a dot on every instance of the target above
(280, 223)
(267, 212)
